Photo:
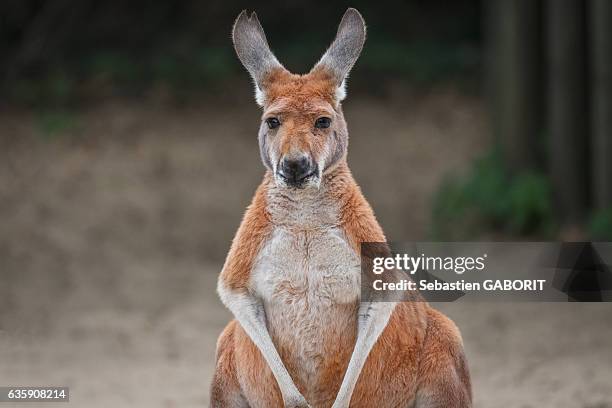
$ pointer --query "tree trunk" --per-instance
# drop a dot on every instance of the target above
(567, 102)
(513, 78)
(601, 100)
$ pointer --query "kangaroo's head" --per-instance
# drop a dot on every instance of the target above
(303, 133)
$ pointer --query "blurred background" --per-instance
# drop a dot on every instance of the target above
(128, 153)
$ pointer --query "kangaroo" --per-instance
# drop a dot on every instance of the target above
(302, 335)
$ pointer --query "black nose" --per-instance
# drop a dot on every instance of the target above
(295, 170)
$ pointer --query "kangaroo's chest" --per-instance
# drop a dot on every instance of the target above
(307, 268)
(310, 284)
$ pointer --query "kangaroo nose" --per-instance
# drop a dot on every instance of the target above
(295, 170)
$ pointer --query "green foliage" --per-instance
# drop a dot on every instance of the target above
(81, 53)
(198, 70)
(600, 225)
(491, 200)
(113, 66)
(421, 62)
(190, 70)
(54, 123)
(55, 89)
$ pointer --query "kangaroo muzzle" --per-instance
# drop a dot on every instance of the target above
(297, 171)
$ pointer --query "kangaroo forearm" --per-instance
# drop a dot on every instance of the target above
(250, 313)
(373, 318)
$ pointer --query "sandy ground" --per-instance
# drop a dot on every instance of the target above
(111, 237)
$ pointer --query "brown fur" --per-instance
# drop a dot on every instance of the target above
(226, 390)
(253, 230)
(302, 89)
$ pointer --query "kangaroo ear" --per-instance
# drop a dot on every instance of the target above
(253, 51)
(344, 51)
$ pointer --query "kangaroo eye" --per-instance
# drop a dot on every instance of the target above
(273, 123)
(322, 123)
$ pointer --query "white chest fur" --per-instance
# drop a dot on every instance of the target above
(310, 283)
(307, 261)
(307, 268)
